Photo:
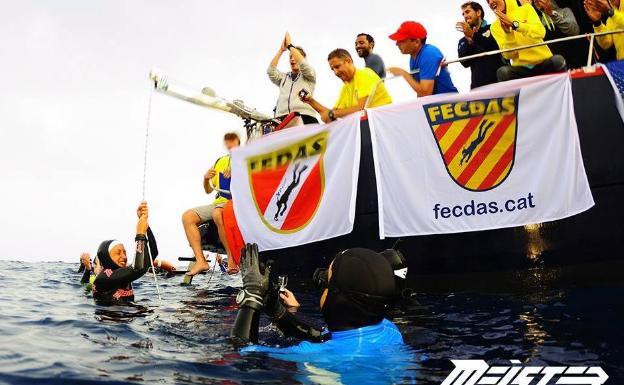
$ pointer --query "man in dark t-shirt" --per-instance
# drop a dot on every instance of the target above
(364, 44)
(478, 39)
(561, 22)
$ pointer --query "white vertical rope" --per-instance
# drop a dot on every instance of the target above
(147, 127)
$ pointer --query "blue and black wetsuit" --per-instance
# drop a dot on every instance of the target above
(359, 293)
(245, 330)
(361, 346)
(368, 355)
(349, 342)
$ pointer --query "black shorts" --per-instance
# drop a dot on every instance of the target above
(307, 119)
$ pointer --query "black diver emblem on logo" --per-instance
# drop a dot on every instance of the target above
(282, 199)
(470, 149)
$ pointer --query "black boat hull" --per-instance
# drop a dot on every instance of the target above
(588, 243)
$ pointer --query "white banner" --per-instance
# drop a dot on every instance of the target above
(505, 155)
(298, 185)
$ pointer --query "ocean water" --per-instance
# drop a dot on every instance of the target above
(52, 333)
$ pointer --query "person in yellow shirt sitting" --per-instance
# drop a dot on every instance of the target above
(358, 85)
(518, 26)
(607, 16)
(216, 179)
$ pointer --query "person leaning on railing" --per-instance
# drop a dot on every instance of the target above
(517, 26)
(359, 84)
(427, 75)
(607, 16)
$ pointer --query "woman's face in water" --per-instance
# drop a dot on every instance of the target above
(324, 295)
(118, 255)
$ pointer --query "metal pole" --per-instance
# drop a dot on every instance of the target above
(589, 54)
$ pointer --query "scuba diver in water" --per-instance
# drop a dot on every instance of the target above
(359, 290)
(113, 285)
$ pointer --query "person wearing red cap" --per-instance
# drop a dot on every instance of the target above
(428, 76)
(362, 88)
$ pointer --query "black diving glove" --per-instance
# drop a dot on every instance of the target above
(255, 283)
(273, 306)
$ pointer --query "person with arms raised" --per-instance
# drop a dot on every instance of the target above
(301, 77)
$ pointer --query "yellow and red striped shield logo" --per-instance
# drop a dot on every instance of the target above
(476, 139)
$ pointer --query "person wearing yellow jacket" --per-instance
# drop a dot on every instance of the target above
(518, 26)
(607, 16)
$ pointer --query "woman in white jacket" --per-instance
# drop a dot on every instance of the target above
(300, 77)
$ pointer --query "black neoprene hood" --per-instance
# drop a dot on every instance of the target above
(104, 256)
(361, 288)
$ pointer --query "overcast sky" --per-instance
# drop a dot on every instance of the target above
(74, 97)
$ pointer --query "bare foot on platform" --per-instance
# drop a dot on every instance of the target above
(232, 268)
(198, 268)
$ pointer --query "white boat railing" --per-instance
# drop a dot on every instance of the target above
(208, 98)
(587, 68)
(590, 36)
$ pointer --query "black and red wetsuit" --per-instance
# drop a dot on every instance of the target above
(114, 285)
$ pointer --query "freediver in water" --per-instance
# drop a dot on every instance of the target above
(113, 284)
(359, 290)
(468, 151)
(89, 269)
(282, 201)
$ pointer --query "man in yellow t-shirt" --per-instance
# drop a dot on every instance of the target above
(607, 16)
(216, 179)
(358, 85)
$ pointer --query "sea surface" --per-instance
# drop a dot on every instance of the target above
(51, 332)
